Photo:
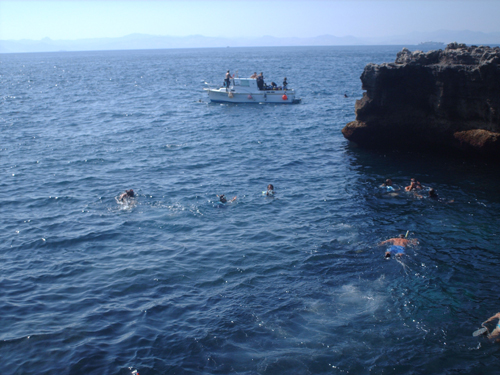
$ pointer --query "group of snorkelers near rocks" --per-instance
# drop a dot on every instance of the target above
(415, 188)
(398, 244)
(260, 82)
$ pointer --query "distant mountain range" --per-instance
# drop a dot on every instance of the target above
(143, 41)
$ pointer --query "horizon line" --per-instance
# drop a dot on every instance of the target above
(257, 37)
(174, 48)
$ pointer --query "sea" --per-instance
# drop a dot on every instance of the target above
(173, 281)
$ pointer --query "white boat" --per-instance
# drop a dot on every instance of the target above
(245, 90)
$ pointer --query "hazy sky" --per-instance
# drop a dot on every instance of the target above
(370, 18)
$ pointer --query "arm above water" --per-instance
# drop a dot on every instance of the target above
(496, 316)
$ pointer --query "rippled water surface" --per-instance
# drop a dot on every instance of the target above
(175, 283)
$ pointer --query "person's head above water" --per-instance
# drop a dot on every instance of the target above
(388, 182)
(433, 193)
(270, 187)
(401, 236)
(223, 199)
(412, 185)
(128, 194)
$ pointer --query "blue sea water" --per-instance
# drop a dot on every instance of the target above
(175, 283)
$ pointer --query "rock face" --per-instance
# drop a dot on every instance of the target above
(436, 100)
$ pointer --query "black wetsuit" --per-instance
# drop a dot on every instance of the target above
(260, 82)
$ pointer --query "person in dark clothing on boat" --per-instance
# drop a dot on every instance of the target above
(285, 83)
(227, 79)
(260, 81)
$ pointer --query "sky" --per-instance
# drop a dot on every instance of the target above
(70, 20)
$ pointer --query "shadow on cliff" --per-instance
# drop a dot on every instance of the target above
(474, 176)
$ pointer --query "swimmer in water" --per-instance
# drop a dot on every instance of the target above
(414, 185)
(434, 195)
(270, 189)
(388, 185)
(127, 195)
(223, 199)
(398, 245)
(495, 334)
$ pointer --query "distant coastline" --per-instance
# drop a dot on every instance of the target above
(432, 44)
(143, 41)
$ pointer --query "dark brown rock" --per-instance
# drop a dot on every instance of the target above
(436, 100)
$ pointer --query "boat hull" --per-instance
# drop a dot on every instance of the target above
(270, 96)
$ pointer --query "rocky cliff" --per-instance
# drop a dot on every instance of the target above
(436, 100)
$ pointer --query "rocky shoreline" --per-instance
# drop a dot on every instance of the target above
(446, 100)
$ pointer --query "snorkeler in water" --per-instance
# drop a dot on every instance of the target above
(223, 199)
(414, 185)
(435, 196)
(398, 245)
(127, 195)
(495, 334)
(388, 185)
(270, 190)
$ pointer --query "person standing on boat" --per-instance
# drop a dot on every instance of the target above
(227, 79)
(260, 81)
(285, 84)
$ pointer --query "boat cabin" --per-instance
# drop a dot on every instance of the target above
(244, 84)
(250, 85)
